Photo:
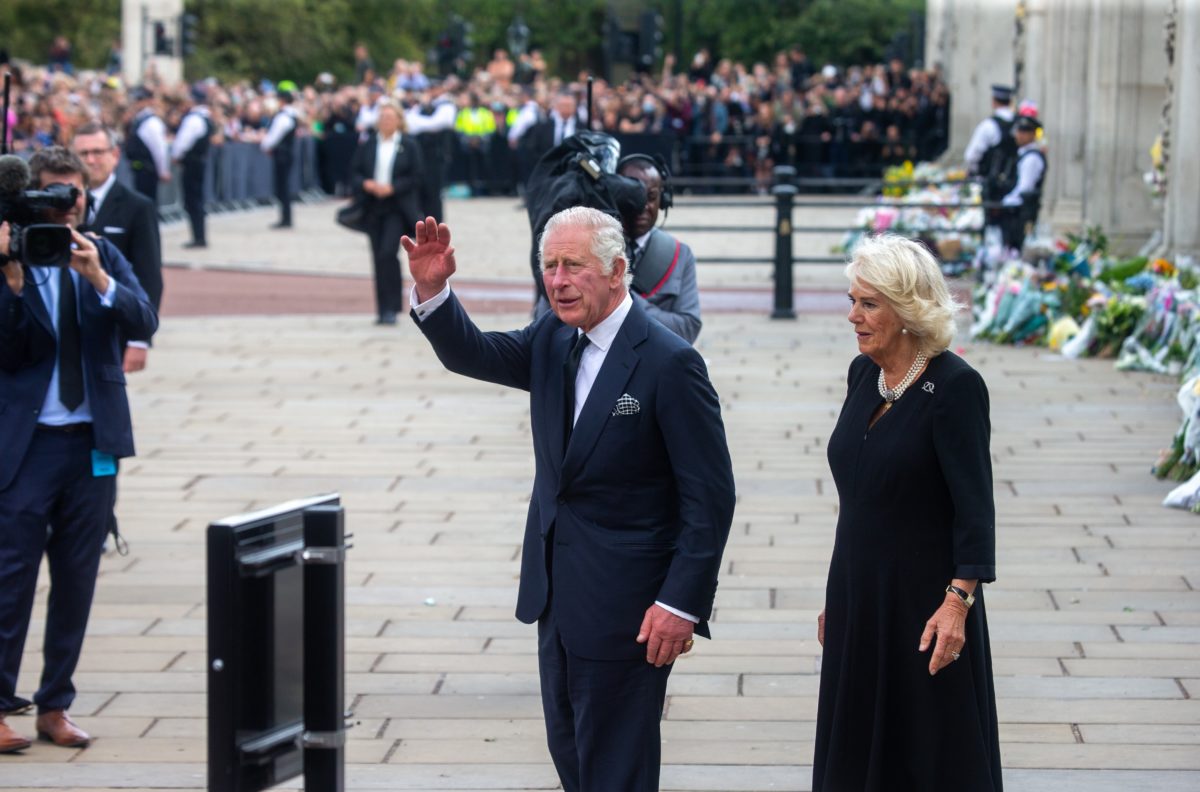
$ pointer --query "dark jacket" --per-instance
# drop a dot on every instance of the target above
(29, 346)
(407, 171)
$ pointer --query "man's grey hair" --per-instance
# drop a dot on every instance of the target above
(93, 128)
(608, 239)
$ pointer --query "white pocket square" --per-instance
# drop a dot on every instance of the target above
(627, 405)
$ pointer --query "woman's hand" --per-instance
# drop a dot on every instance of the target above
(821, 627)
(948, 623)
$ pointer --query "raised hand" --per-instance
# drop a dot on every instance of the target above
(430, 257)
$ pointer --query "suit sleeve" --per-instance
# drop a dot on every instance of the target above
(131, 307)
(502, 358)
(147, 254)
(683, 317)
(962, 439)
(689, 417)
(16, 350)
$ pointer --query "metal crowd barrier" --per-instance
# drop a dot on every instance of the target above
(238, 176)
(784, 193)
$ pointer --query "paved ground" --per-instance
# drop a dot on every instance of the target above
(1095, 620)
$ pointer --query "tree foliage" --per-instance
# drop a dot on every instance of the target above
(297, 39)
(28, 28)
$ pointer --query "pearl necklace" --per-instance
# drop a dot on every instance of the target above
(891, 394)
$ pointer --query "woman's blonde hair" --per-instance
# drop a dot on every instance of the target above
(909, 278)
(393, 105)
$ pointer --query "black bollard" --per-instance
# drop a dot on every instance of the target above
(784, 300)
(324, 650)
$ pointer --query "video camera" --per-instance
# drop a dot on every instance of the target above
(33, 242)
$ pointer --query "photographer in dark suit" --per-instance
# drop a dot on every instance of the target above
(387, 170)
(64, 423)
(633, 489)
(124, 217)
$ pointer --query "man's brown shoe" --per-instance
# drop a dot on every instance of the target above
(57, 727)
(10, 741)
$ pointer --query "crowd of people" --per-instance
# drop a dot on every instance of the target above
(713, 118)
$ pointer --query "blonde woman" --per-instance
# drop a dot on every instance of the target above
(906, 696)
(386, 170)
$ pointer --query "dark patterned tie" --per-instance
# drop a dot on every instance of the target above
(70, 366)
(570, 372)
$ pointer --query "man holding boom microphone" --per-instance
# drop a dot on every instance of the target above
(65, 302)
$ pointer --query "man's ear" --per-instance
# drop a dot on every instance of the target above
(619, 267)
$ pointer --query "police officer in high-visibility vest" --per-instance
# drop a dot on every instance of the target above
(280, 144)
(476, 124)
(1024, 202)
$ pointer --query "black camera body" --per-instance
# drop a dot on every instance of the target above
(33, 242)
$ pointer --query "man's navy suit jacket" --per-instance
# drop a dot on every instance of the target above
(29, 348)
(639, 506)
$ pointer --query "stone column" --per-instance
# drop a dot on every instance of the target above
(973, 41)
(1125, 87)
(1181, 221)
(137, 39)
(1063, 107)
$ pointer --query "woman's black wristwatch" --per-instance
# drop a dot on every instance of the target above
(968, 599)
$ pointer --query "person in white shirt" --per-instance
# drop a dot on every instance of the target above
(279, 143)
(146, 147)
(991, 130)
(191, 146)
(1023, 203)
(386, 172)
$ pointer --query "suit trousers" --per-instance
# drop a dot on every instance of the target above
(602, 716)
(384, 230)
(282, 177)
(56, 507)
(193, 198)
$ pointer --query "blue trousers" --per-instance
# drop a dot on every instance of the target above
(602, 716)
(55, 507)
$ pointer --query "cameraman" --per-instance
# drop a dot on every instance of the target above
(64, 422)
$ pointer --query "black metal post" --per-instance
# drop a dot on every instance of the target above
(324, 650)
(784, 299)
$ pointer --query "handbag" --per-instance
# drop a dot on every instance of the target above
(354, 214)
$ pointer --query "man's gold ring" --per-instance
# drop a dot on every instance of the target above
(688, 643)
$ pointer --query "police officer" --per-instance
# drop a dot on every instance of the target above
(991, 131)
(146, 148)
(192, 143)
(432, 122)
(280, 144)
(1023, 204)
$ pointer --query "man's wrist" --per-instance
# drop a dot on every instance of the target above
(426, 292)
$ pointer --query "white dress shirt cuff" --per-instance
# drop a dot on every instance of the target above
(432, 304)
(107, 298)
(137, 344)
(677, 612)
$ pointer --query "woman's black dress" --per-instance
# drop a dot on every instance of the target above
(916, 511)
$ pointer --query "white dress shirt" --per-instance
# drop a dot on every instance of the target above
(191, 129)
(153, 132)
(1029, 170)
(601, 337)
(98, 195)
(385, 156)
(54, 412)
(283, 122)
(441, 119)
(986, 135)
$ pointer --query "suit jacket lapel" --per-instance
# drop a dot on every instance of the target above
(618, 367)
(556, 404)
(106, 209)
(37, 306)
